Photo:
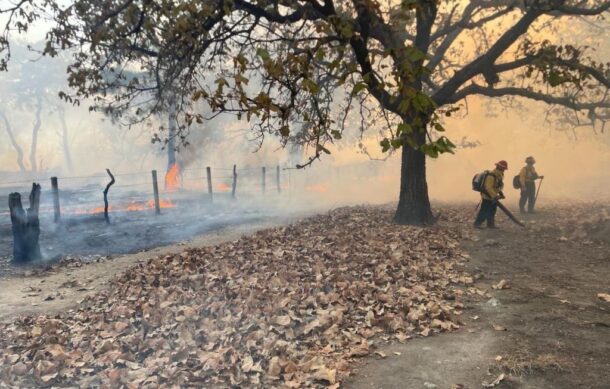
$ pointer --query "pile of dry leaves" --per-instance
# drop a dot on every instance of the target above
(287, 307)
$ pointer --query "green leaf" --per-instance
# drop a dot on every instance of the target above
(284, 131)
(311, 86)
(439, 127)
(385, 145)
(359, 87)
(404, 128)
(264, 54)
(555, 79)
(430, 150)
(416, 55)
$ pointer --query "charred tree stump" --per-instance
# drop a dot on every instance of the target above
(106, 217)
(26, 226)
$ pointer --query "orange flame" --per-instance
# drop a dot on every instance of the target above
(172, 178)
(318, 188)
(222, 187)
(131, 207)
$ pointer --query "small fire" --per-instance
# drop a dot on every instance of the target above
(222, 187)
(172, 178)
(318, 188)
(134, 206)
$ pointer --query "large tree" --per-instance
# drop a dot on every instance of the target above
(299, 69)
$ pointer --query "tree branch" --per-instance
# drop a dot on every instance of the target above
(475, 89)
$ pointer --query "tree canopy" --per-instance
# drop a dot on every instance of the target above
(299, 68)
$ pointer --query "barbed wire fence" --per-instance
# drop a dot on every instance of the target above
(68, 196)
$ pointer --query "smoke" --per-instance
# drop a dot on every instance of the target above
(573, 168)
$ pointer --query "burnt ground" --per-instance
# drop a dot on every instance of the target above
(88, 237)
(551, 329)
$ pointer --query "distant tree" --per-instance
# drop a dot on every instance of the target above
(407, 64)
(11, 135)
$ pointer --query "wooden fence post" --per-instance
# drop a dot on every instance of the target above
(234, 181)
(277, 179)
(210, 191)
(56, 207)
(156, 192)
(264, 182)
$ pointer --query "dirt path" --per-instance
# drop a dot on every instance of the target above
(63, 286)
(557, 332)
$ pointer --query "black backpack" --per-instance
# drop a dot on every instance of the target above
(478, 181)
(517, 182)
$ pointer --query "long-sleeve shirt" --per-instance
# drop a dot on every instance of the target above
(494, 182)
(527, 174)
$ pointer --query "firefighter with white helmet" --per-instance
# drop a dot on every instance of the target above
(527, 181)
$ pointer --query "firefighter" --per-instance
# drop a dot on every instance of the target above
(527, 180)
(493, 184)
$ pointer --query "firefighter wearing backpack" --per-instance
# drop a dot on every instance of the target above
(490, 194)
(527, 184)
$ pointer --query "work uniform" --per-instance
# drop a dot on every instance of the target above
(494, 182)
(527, 178)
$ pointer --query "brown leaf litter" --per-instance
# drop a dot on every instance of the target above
(287, 307)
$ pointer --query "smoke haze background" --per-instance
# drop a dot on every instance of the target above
(576, 164)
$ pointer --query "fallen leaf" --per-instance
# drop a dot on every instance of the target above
(275, 368)
(322, 373)
(247, 364)
(604, 296)
(380, 354)
(283, 320)
(36, 331)
(495, 382)
(503, 284)
(498, 327)
(19, 369)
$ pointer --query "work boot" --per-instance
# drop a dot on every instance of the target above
(492, 226)
(478, 226)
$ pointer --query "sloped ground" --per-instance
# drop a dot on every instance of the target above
(293, 306)
(547, 325)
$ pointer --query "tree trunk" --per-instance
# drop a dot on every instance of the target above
(16, 146)
(172, 132)
(37, 123)
(26, 227)
(414, 203)
(64, 139)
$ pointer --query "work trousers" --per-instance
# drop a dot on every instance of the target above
(528, 196)
(487, 212)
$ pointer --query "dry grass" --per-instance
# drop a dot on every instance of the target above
(524, 362)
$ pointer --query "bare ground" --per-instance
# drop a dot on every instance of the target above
(552, 331)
